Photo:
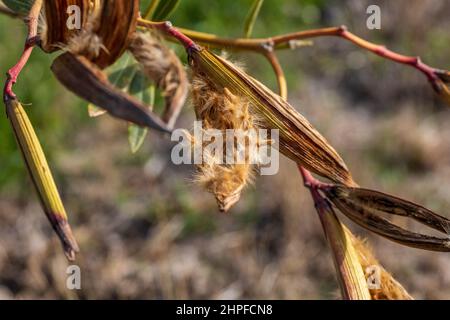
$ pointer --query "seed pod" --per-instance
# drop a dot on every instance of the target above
(350, 273)
(362, 206)
(41, 175)
(299, 140)
(162, 65)
(96, 40)
(56, 32)
(86, 80)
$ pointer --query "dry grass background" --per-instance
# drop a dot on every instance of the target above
(146, 231)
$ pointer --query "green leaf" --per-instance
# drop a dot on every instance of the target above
(141, 89)
(19, 6)
(95, 111)
(251, 17)
(150, 8)
(164, 9)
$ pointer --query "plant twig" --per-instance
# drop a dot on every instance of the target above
(281, 78)
(283, 41)
(31, 41)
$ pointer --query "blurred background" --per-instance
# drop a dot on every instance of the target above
(146, 231)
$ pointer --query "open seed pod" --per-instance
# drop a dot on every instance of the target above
(101, 45)
(364, 206)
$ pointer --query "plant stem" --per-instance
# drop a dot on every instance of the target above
(32, 39)
(170, 30)
(281, 78)
(281, 41)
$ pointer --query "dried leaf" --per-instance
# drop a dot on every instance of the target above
(41, 175)
(299, 140)
(363, 207)
(82, 77)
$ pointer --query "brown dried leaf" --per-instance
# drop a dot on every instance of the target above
(363, 206)
(86, 80)
(162, 65)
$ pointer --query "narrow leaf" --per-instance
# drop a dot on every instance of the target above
(145, 92)
(164, 9)
(150, 11)
(21, 7)
(251, 17)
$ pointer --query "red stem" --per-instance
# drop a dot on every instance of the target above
(32, 40)
(168, 28)
(379, 50)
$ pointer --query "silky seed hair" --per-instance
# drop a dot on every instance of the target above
(390, 289)
(220, 109)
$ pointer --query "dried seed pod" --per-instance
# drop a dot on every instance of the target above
(219, 109)
(56, 32)
(82, 77)
(364, 210)
(349, 270)
(96, 39)
(41, 175)
(299, 140)
(162, 65)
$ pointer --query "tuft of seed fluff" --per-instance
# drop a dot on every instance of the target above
(389, 289)
(219, 109)
(86, 42)
(162, 65)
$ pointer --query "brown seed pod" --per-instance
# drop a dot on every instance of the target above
(56, 32)
(85, 79)
(299, 140)
(162, 65)
(363, 207)
(97, 18)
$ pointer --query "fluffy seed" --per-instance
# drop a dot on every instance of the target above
(219, 109)
(162, 66)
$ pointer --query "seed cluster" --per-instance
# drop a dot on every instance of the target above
(219, 109)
